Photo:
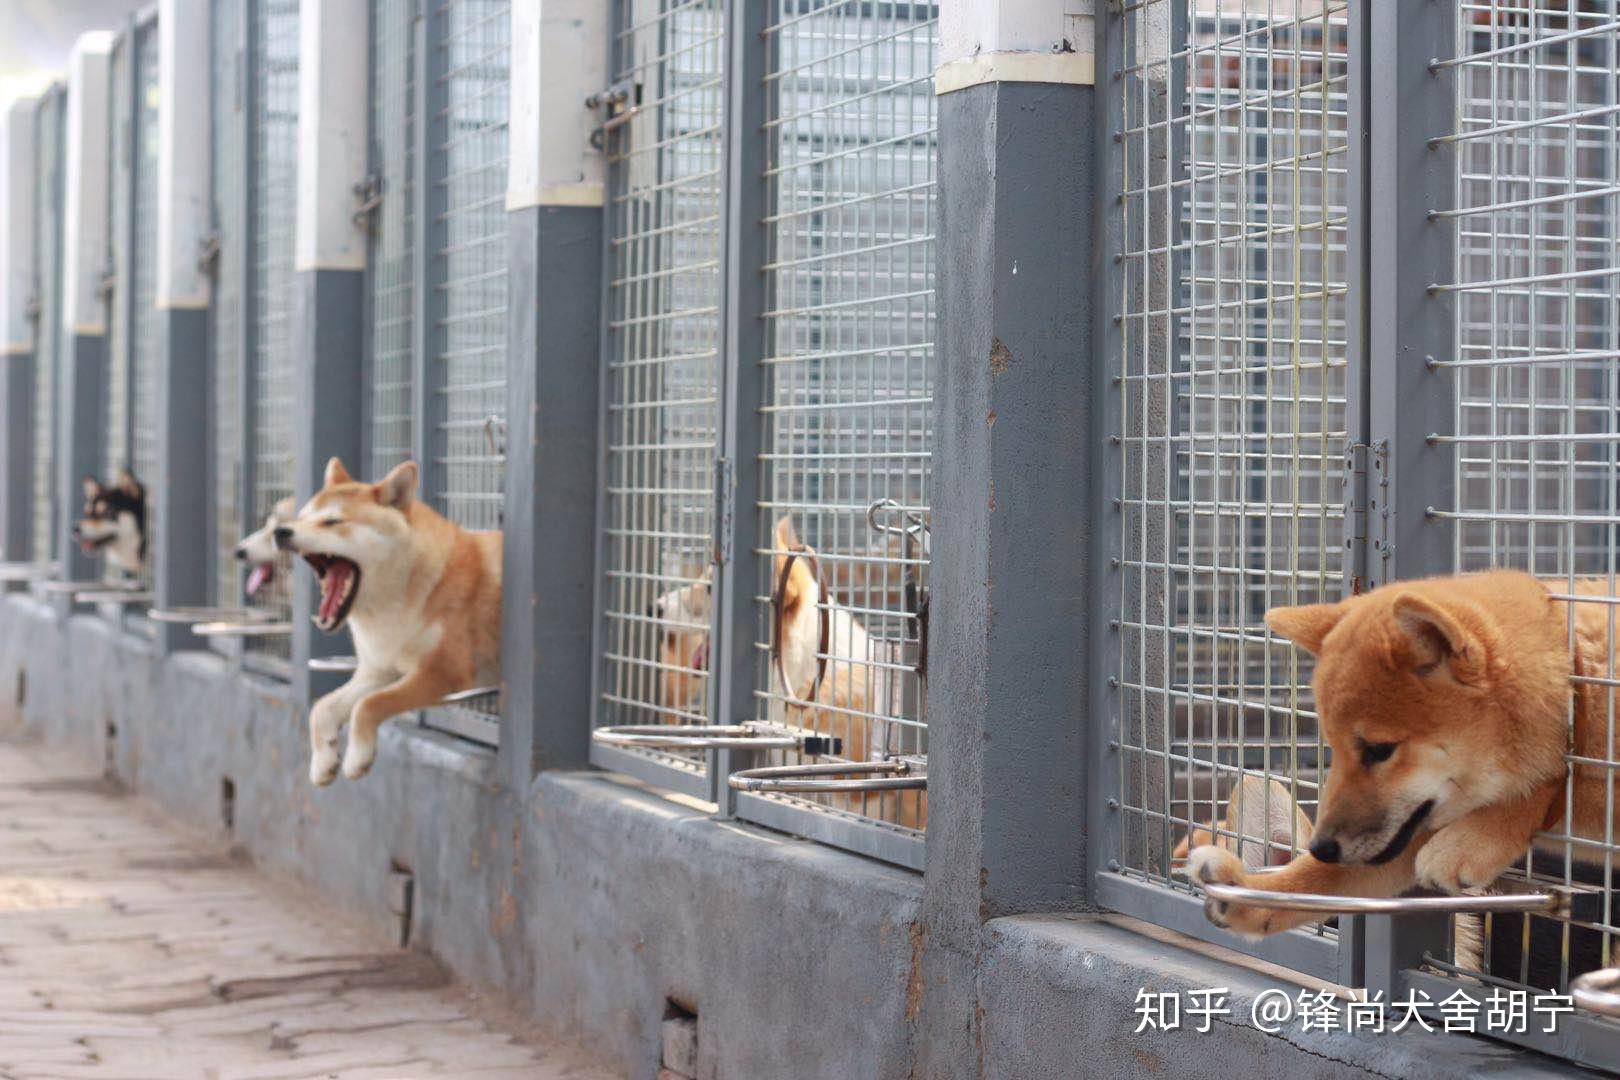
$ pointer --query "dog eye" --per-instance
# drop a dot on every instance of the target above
(1373, 753)
(329, 522)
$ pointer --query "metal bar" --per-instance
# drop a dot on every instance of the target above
(1408, 326)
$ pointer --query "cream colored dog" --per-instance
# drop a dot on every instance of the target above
(421, 594)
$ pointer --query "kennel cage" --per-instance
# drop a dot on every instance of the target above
(271, 106)
(849, 159)
(388, 200)
(661, 412)
(117, 450)
(51, 126)
(145, 354)
(1228, 418)
(223, 256)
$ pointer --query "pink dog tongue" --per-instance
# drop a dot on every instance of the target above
(260, 577)
(337, 580)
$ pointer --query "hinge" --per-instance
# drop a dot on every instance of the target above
(1366, 483)
(106, 283)
(725, 495)
(368, 195)
(32, 308)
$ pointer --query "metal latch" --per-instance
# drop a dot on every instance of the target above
(208, 253)
(368, 195)
(618, 104)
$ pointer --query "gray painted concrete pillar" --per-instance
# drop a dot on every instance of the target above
(179, 493)
(17, 136)
(1012, 505)
(554, 275)
(330, 259)
(83, 407)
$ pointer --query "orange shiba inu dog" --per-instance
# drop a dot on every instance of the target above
(1446, 703)
(422, 597)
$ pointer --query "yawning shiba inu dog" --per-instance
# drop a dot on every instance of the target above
(421, 594)
(114, 522)
(1446, 703)
(258, 548)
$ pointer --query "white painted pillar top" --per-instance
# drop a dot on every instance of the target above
(333, 61)
(85, 218)
(559, 58)
(17, 149)
(183, 182)
(981, 41)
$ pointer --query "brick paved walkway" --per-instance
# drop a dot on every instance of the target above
(129, 950)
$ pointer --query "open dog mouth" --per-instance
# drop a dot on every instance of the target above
(260, 576)
(340, 584)
(1403, 835)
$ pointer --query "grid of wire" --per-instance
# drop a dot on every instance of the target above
(852, 143)
(468, 447)
(390, 267)
(662, 382)
(145, 363)
(274, 142)
(1231, 383)
(225, 310)
(48, 211)
(118, 304)
(1536, 373)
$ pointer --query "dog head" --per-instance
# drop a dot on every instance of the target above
(258, 548)
(1265, 819)
(682, 619)
(1437, 697)
(351, 532)
(113, 522)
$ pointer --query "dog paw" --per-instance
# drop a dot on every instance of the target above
(357, 760)
(1455, 864)
(323, 767)
(1212, 865)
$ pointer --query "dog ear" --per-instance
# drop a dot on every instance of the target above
(128, 484)
(1433, 634)
(1306, 625)
(335, 472)
(398, 487)
(92, 487)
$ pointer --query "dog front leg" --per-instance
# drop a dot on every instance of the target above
(327, 717)
(1214, 865)
(1472, 851)
(425, 686)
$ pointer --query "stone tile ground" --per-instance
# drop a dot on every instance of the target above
(131, 950)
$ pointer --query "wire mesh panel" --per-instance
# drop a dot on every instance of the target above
(120, 309)
(661, 385)
(475, 37)
(225, 308)
(274, 146)
(1536, 384)
(144, 359)
(850, 351)
(390, 266)
(48, 211)
(1229, 370)
(467, 370)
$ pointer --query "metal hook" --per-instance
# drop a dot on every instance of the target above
(491, 422)
(916, 524)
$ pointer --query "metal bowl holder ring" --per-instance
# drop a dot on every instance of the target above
(889, 772)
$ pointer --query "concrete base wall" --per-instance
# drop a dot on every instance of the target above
(593, 902)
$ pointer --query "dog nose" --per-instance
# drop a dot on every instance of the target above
(241, 554)
(283, 537)
(1325, 850)
(75, 529)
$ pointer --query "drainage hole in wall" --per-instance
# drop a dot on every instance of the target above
(678, 1042)
(227, 803)
(402, 898)
(22, 686)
